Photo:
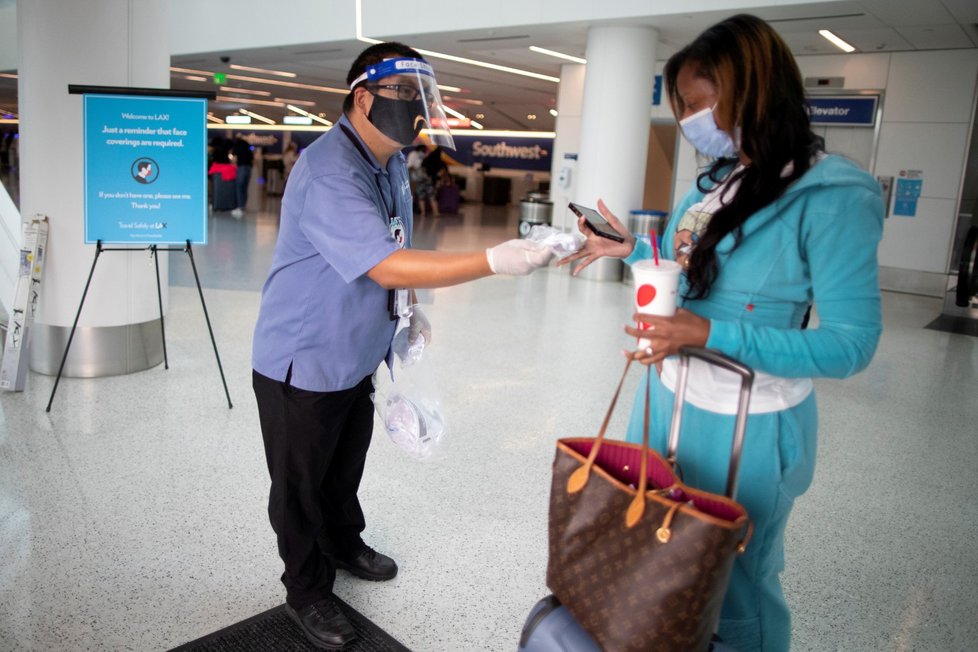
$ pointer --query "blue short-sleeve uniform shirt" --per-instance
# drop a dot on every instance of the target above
(320, 312)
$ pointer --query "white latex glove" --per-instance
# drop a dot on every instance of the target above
(419, 326)
(518, 257)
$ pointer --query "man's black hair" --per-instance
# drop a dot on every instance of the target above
(142, 165)
(375, 54)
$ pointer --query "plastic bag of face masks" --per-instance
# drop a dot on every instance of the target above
(409, 405)
(562, 244)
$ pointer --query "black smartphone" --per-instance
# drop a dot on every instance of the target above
(596, 223)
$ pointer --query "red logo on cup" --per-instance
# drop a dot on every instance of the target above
(644, 295)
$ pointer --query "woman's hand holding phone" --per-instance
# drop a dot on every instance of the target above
(596, 247)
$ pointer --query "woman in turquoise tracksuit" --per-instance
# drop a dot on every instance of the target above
(773, 227)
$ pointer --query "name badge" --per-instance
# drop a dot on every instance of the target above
(396, 226)
(398, 300)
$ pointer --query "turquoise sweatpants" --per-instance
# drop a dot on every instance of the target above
(776, 467)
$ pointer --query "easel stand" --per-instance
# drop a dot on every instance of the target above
(159, 294)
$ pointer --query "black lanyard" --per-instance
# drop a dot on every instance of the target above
(391, 213)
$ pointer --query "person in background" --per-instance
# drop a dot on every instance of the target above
(421, 188)
(220, 149)
(416, 156)
(433, 164)
(243, 159)
(337, 288)
(5, 138)
(289, 157)
(773, 225)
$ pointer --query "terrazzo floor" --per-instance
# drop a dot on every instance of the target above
(133, 516)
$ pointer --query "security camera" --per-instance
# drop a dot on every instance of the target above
(225, 59)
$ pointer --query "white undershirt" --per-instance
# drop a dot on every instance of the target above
(717, 390)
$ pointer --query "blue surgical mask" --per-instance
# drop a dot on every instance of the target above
(702, 132)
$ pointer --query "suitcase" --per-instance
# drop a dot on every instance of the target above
(449, 199)
(550, 627)
(223, 198)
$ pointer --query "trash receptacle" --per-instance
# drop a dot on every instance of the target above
(640, 224)
(534, 210)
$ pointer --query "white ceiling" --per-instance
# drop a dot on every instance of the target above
(869, 25)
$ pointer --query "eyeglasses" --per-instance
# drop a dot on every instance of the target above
(405, 92)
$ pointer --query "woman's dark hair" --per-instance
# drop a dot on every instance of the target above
(375, 54)
(760, 94)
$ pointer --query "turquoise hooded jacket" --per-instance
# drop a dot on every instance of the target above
(816, 243)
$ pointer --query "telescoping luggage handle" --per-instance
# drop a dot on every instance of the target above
(746, 382)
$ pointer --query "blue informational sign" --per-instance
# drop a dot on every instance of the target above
(843, 111)
(145, 169)
(510, 153)
(657, 91)
(906, 196)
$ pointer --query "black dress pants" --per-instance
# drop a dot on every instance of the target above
(315, 446)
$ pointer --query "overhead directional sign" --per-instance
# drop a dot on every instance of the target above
(843, 110)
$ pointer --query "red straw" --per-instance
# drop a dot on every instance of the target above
(655, 247)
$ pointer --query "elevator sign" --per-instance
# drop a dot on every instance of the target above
(843, 110)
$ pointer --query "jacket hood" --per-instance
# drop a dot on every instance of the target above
(833, 170)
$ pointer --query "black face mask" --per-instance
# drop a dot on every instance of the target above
(399, 120)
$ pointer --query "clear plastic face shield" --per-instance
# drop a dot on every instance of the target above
(406, 101)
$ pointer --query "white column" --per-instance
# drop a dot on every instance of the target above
(615, 125)
(98, 43)
(568, 141)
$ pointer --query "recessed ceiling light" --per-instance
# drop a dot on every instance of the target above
(321, 118)
(559, 55)
(256, 116)
(280, 73)
(275, 82)
(285, 100)
(241, 100)
(248, 91)
(192, 71)
(836, 41)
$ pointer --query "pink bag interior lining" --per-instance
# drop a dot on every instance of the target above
(623, 463)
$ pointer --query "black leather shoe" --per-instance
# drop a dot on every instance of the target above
(369, 565)
(323, 624)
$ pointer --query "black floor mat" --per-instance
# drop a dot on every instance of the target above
(958, 325)
(273, 630)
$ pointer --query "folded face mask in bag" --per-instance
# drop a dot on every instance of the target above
(414, 428)
(408, 400)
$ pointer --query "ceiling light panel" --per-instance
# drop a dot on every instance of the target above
(558, 55)
(836, 40)
(265, 71)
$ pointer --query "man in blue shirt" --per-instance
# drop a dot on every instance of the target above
(328, 314)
